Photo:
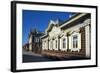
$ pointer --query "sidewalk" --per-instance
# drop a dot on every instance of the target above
(31, 53)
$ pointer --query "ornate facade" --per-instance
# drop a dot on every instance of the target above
(72, 36)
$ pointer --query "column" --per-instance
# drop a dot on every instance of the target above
(87, 33)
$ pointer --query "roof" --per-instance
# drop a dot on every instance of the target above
(72, 21)
(36, 33)
(77, 18)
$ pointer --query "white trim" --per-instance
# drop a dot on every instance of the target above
(76, 27)
(79, 41)
(87, 35)
(61, 43)
(73, 20)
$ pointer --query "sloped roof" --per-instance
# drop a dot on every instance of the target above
(77, 18)
(72, 21)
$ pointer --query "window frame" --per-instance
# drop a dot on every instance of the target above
(75, 41)
(64, 43)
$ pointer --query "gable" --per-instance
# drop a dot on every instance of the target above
(51, 24)
(54, 31)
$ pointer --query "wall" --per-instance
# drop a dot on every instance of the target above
(5, 37)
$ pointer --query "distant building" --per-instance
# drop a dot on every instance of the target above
(26, 47)
(35, 44)
(72, 36)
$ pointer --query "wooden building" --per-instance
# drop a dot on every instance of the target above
(72, 36)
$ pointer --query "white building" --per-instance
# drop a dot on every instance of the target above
(70, 36)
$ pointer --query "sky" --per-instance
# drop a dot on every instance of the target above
(39, 20)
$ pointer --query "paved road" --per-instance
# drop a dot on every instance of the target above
(33, 57)
(30, 58)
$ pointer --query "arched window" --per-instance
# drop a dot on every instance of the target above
(64, 43)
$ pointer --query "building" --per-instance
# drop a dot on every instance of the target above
(35, 43)
(72, 36)
(26, 47)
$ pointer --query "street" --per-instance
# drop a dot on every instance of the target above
(33, 57)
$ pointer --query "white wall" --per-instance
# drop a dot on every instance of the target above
(30, 43)
(87, 41)
(5, 37)
(55, 31)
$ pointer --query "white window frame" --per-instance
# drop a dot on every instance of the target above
(61, 43)
(75, 41)
(64, 42)
(79, 41)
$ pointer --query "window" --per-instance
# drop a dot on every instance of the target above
(51, 44)
(64, 43)
(75, 41)
(56, 43)
(36, 39)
